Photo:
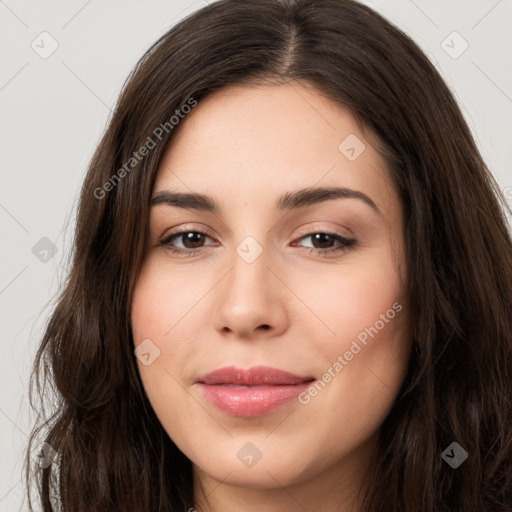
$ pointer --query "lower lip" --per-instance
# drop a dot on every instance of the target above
(251, 401)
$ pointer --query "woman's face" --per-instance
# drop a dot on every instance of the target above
(273, 346)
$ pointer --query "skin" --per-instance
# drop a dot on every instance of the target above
(245, 146)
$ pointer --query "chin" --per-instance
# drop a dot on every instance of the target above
(271, 471)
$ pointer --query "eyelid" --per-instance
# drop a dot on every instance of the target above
(344, 243)
(186, 228)
(322, 229)
(302, 231)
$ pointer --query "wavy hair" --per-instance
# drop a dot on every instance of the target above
(113, 453)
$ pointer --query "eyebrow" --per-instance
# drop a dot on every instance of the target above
(288, 201)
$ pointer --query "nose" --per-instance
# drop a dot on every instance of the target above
(251, 300)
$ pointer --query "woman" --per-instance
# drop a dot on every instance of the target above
(292, 282)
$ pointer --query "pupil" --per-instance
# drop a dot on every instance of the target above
(193, 238)
(322, 237)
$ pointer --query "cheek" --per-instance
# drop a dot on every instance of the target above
(348, 300)
(360, 367)
(161, 299)
(362, 355)
(161, 302)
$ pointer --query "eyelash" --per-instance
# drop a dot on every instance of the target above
(345, 243)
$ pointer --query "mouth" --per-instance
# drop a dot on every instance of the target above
(251, 392)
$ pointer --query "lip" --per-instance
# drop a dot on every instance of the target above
(253, 391)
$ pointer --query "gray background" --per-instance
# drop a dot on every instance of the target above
(54, 110)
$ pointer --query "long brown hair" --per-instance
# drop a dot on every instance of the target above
(113, 454)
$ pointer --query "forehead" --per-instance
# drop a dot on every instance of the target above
(253, 143)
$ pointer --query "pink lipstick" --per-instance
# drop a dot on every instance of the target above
(251, 392)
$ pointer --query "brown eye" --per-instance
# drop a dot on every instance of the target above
(190, 239)
(191, 242)
(324, 242)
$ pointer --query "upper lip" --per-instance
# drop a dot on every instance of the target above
(255, 376)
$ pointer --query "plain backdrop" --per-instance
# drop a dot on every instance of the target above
(54, 109)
